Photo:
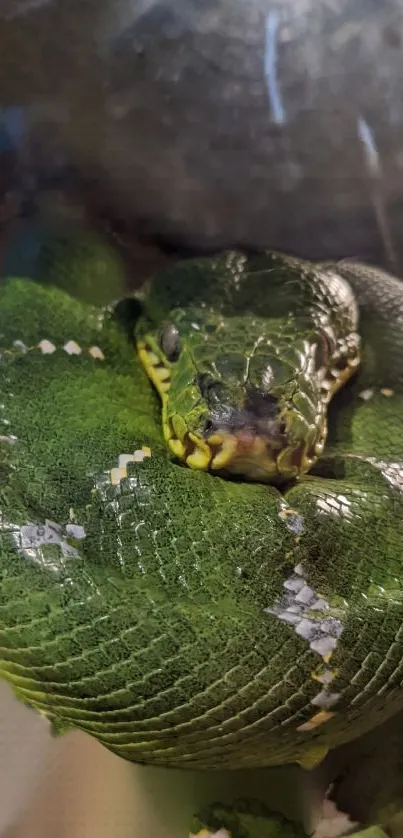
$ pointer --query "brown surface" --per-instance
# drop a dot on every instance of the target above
(167, 106)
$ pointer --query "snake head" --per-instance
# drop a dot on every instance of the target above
(243, 394)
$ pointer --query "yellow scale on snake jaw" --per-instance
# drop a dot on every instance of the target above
(183, 444)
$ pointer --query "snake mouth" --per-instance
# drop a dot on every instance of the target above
(244, 454)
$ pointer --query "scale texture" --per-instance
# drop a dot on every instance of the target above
(182, 619)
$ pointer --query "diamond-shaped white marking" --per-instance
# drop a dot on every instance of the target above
(19, 344)
(46, 347)
(72, 348)
(124, 459)
(117, 474)
(96, 352)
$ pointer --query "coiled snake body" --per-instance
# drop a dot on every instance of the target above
(201, 616)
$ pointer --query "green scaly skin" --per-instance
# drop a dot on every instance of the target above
(159, 633)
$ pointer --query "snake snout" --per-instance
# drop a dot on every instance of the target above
(258, 416)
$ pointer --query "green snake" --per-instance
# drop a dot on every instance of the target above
(204, 569)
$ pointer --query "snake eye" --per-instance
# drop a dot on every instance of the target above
(170, 342)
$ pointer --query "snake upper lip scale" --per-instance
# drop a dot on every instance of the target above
(245, 453)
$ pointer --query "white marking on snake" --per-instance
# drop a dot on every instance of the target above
(324, 699)
(20, 345)
(75, 531)
(295, 583)
(301, 606)
(392, 472)
(124, 459)
(46, 347)
(329, 506)
(292, 519)
(120, 472)
(117, 474)
(72, 348)
(309, 614)
(325, 677)
(11, 439)
(97, 353)
(34, 536)
(307, 596)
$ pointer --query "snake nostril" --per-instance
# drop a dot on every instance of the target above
(210, 388)
(261, 405)
(208, 426)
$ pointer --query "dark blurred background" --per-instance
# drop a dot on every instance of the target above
(197, 124)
